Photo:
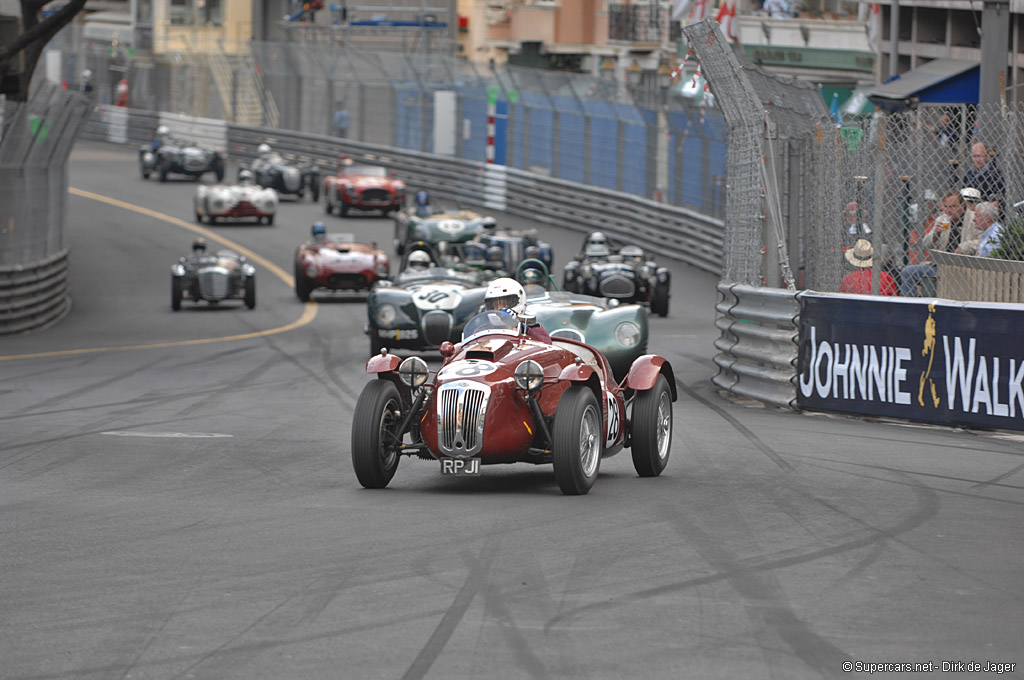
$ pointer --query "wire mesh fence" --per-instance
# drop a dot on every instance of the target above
(890, 191)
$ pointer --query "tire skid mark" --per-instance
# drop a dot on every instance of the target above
(329, 385)
(740, 427)
(495, 605)
(445, 628)
(218, 394)
(998, 478)
(67, 396)
(928, 505)
(916, 485)
(234, 656)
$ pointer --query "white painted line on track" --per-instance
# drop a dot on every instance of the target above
(186, 435)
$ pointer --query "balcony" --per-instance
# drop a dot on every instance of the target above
(640, 26)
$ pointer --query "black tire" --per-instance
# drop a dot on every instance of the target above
(199, 217)
(373, 426)
(328, 208)
(659, 300)
(343, 209)
(175, 293)
(164, 170)
(578, 426)
(143, 171)
(218, 169)
(303, 287)
(652, 429)
(270, 220)
(250, 292)
(314, 191)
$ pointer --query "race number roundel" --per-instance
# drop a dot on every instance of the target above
(437, 297)
(613, 419)
(450, 226)
(467, 368)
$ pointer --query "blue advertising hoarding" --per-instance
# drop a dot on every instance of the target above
(935, 361)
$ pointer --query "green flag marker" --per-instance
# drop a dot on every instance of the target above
(40, 128)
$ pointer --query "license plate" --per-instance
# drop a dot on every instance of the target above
(460, 467)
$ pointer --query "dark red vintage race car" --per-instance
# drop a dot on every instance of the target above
(362, 187)
(336, 262)
(503, 397)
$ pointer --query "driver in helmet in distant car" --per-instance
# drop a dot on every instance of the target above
(507, 295)
(198, 250)
(263, 150)
(418, 259)
(245, 177)
(162, 133)
(423, 204)
(319, 231)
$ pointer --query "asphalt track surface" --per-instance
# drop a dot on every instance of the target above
(172, 509)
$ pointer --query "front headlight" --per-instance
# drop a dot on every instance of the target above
(382, 269)
(645, 272)
(585, 272)
(311, 270)
(627, 334)
(529, 376)
(413, 372)
(386, 315)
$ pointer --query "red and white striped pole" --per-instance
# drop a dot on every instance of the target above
(492, 108)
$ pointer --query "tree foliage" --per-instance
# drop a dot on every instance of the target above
(36, 32)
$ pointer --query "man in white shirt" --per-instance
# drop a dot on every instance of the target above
(986, 219)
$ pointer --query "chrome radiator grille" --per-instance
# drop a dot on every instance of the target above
(376, 195)
(461, 408)
(617, 286)
(213, 283)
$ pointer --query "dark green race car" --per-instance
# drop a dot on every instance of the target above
(422, 308)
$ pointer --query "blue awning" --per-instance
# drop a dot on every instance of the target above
(940, 81)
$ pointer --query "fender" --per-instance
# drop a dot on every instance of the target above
(576, 373)
(645, 371)
(382, 363)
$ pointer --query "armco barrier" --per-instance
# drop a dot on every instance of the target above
(672, 231)
(34, 295)
(758, 343)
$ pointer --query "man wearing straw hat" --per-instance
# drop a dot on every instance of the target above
(859, 282)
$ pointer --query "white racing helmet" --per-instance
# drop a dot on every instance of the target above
(506, 293)
(418, 259)
(163, 131)
(263, 149)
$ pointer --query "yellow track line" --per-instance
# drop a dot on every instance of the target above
(308, 312)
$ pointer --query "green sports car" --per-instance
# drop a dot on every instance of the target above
(618, 331)
(451, 227)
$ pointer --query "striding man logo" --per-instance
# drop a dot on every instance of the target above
(929, 351)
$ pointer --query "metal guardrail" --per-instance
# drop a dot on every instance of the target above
(758, 343)
(679, 233)
(34, 295)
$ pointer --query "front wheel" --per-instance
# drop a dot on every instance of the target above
(303, 286)
(314, 191)
(652, 429)
(176, 293)
(375, 439)
(578, 435)
(250, 292)
(343, 209)
(218, 170)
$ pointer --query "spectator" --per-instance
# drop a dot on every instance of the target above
(925, 218)
(853, 224)
(946, 131)
(341, 120)
(970, 235)
(859, 282)
(777, 9)
(987, 220)
(942, 234)
(984, 176)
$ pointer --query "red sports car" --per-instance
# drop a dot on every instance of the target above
(362, 187)
(337, 263)
(503, 397)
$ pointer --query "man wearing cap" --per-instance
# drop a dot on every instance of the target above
(859, 282)
(970, 235)
(984, 175)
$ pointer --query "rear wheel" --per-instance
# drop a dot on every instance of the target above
(176, 293)
(579, 436)
(250, 292)
(375, 438)
(652, 429)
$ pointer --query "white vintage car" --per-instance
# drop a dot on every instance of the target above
(244, 200)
